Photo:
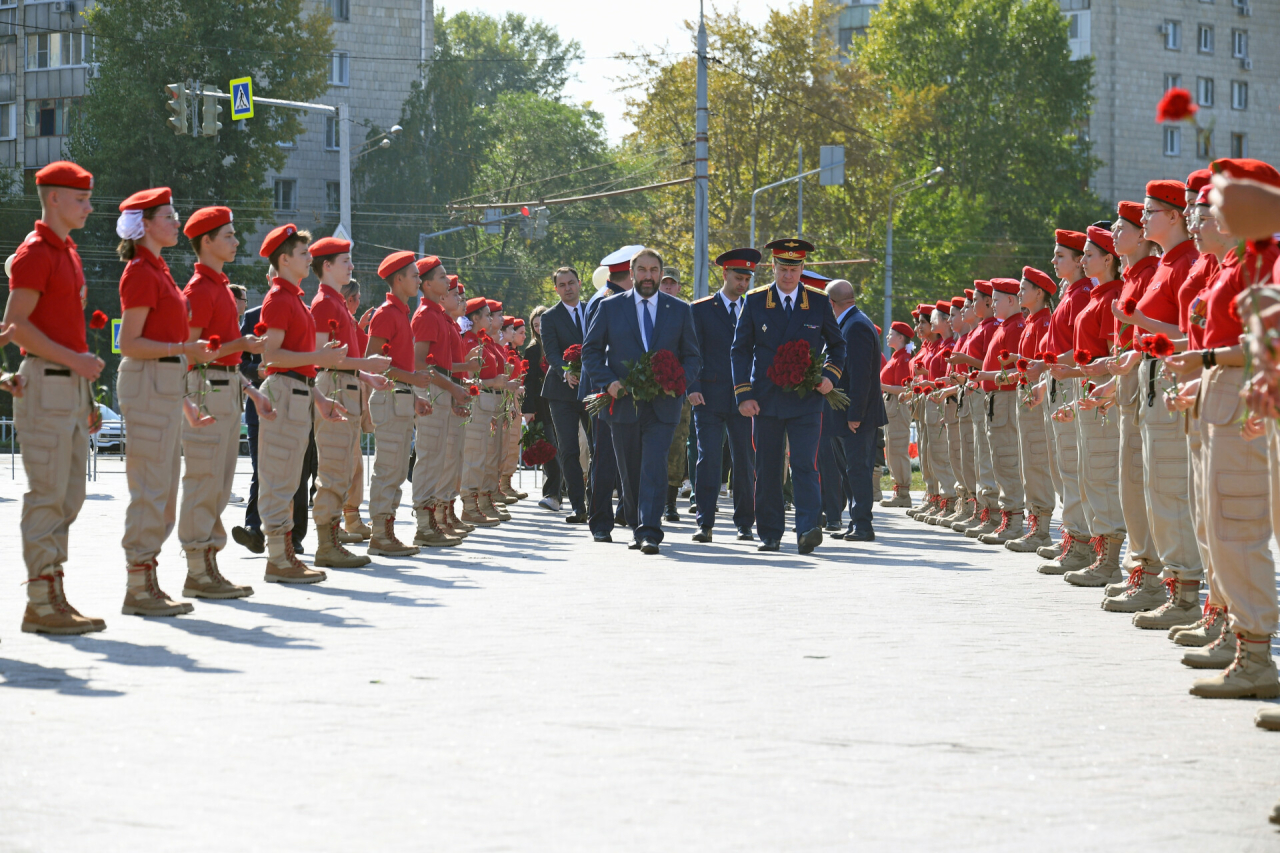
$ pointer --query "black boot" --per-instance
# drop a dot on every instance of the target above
(672, 493)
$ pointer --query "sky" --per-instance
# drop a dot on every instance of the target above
(605, 29)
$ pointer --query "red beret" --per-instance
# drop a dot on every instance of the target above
(1169, 192)
(1102, 238)
(508, 320)
(1040, 279)
(454, 284)
(1198, 179)
(494, 306)
(983, 287)
(64, 173)
(476, 303)
(206, 219)
(1246, 169)
(968, 292)
(326, 246)
(518, 323)
(1070, 239)
(1202, 197)
(925, 309)
(957, 302)
(427, 264)
(393, 263)
(944, 306)
(903, 329)
(146, 199)
(275, 237)
(1005, 285)
(915, 314)
(1130, 211)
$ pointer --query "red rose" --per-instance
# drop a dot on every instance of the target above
(260, 329)
(1082, 356)
(474, 390)
(98, 320)
(386, 349)
(573, 353)
(1176, 105)
(214, 343)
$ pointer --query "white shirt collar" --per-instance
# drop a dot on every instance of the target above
(727, 301)
(653, 300)
(842, 313)
(794, 295)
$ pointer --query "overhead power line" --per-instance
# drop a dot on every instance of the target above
(573, 198)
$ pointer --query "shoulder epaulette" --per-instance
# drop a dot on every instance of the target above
(815, 290)
(760, 289)
(704, 299)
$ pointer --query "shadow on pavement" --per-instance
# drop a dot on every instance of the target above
(31, 676)
(258, 636)
(132, 654)
(285, 613)
(370, 596)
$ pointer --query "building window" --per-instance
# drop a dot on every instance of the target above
(50, 117)
(1205, 44)
(1204, 143)
(1078, 36)
(331, 133)
(9, 56)
(333, 197)
(7, 122)
(1172, 141)
(286, 194)
(1239, 145)
(1239, 95)
(1172, 81)
(1172, 35)
(340, 68)
(57, 50)
(1239, 44)
(1204, 91)
(341, 9)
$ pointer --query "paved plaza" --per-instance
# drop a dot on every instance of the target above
(533, 690)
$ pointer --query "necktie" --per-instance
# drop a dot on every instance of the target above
(786, 306)
(577, 321)
(733, 313)
(648, 324)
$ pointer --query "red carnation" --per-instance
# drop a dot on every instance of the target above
(1128, 306)
(474, 390)
(1082, 356)
(1176, 105)
(260, 329)
(386, 349)
(1160, 345)
(1022, 365)
(333, 327)
(1050, 358)
(214, 343)
(1003, 355)
(98, 320)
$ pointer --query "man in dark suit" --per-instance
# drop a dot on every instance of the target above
(714, 321)
(562, 327)
(865, 414)
(623, 328)
(604, 465)
(774, 315)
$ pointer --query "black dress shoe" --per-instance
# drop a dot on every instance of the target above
(832, 528)
(809, 540)
(297, 546)
(744, 534)
(672, 516)
(648, 546)
(860, 536)
(633, 545)
(602, 537)
(576, 518)
(769, 545)
(249, 538)
(703, 535)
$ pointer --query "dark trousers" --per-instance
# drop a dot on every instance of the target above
(565, 416)
(604, 477)
(642, 448)
(831, 466)
(860, 456)
(712, 427)
(772, 435)
(252, 520)
(300, 515)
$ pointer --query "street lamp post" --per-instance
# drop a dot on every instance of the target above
(926, 180)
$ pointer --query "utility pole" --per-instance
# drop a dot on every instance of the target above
(701, 216)
(926, 180)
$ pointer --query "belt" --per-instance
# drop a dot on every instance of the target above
(293, 374)
(336, 370)
(170, 359)
(490, 391)
(225, 368)
(53, 371)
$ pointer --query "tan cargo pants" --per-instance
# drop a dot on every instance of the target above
(150, 393)
(935, 424)
(1002, 436)
(956, 432)
(1065, 445)
(1033, 462)
(922, 447)
(511, 431)
(1098, 438)
(52, 420)
(1141, 550)
(1164, 457)
(456, 431)
(392, 413)
(282, 449)
(988, 488)
(480, 443)
(897, 440)
(1196, 498)
(968, 467)
(1239, 480)
(431, 446)
(210, 455)
(337, 447)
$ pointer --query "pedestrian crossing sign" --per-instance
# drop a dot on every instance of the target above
(115, 335)
(241, 98)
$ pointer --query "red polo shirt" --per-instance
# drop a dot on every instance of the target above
(1034, 330)
(898, 370)
(920, 358)
(937, 361)
(147, 283)
(492, 358)
(1221, 329)
(51, 266)
(1006, 337)
(431, 326)
(213, 309)
(1096, 323)
(1136, 278)
(454, 337)
(1160, 301)
(391, 323)
(979, 339)
(327, 305)
(1061, 337)
(283, 309)
(1202, 273)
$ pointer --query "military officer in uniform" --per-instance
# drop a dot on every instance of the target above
(714, 320)
(774, 315)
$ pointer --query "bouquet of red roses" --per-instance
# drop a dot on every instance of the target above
(795, 368)
(538, 453)
(652, 374)
(573, 360)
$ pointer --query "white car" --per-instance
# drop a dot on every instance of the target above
(112, 432)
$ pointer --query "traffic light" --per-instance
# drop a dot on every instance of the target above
(526, 224)
(211, 109)
(541, 218)
(177, 107)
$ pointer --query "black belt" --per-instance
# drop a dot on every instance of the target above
(53, 371)
(336, 370)
(226, 368)
(170, 359)
(293, 374)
